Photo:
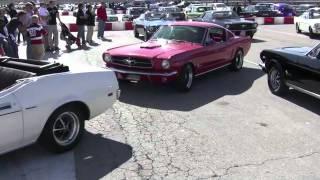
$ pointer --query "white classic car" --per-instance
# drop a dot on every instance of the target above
(309, 22)
(220, 7)
(49, 102)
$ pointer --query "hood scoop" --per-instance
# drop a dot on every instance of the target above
(150, 46)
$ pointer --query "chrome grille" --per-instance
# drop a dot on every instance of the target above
(132, 62)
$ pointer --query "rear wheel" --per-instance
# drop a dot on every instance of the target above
(276, 80)
(185, 78)
(237, 62)
(298, 28)
(63, 129)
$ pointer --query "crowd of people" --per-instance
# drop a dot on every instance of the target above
(39, 28)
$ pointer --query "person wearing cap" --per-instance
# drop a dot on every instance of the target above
(35, 32)
(52, 26)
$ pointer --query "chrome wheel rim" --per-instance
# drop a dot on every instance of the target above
(189, 77)
(275, 79)
(66, 128)
(239, 60)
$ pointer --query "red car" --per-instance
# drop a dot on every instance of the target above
(179, 52)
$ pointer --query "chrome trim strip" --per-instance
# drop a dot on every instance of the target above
(213, 69)
(32, 107)
(144, 73)
(303, 90)
(10, 113)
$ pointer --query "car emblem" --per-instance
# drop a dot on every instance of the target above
(130, 61)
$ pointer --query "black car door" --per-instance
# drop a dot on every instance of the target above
(310, 68)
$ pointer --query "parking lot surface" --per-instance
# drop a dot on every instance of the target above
(229, 126)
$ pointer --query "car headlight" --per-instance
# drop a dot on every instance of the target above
(106, 58)
(227, 26)
(317, 26)
(165, 64)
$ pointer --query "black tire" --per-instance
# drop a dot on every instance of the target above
(276, 80)
(237, 62)
(298, 28)
(54, 128)
(146, 36)
(135, 32)
(311, 32)
(185, 78)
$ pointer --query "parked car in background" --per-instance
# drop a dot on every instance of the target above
(293, 67)
(259, 11)
(179, 52)
(284, 9)
(133, 13)
(220, 7)
(195, 11)
(309, 22)
(173, 13)
(148, 23)
(47, 102)
(302, 8)
(231, 21)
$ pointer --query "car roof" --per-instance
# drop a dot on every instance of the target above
(194, 24)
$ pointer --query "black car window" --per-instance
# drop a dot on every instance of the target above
(315, 51)
(217, 35)
(181, 33)
(225, 15)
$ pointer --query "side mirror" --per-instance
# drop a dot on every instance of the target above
(209, 42)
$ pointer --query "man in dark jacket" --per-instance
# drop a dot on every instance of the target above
(81, 22)
(90, 23)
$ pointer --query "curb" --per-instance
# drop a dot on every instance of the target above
(271, 20)
(109, 26)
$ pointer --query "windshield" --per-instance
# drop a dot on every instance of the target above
(203, 9)
(225, 15)
(314, 14)
(153, 16)
(221, 5)
(263, 8)
(137, 11)
(181, 33)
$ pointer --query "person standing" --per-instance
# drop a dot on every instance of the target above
(12, 10)
(27, 20)
(90, 23)
(81, 22)
(102, 18)
(35, 32)
(12, 27)
(43, 17)
(52, 26)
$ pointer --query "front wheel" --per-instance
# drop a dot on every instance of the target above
(298, 28)
(276, 80)
(311, 32)
(237, 62)
(136, 34)
(63, 129)
(185, 78)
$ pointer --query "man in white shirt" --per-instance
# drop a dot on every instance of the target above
(43, 14)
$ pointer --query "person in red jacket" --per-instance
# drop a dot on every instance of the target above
(36, 32)
(102, 18)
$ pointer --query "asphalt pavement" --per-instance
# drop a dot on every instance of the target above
(228, 127)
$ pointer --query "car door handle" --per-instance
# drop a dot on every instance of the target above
(5, 106)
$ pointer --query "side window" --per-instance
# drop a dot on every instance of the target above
(229, 35)
(315, 52)
(217, 35)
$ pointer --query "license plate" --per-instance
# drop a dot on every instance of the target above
(133, 77)
(243, 33)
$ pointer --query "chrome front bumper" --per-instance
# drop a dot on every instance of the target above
(144, 73)
(263, 67)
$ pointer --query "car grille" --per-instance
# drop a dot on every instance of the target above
(132, 62)
(243, 26)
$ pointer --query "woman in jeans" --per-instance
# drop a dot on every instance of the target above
(90, 23)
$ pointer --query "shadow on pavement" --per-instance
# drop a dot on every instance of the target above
(303, 100)
(97, 156)
(206, 89)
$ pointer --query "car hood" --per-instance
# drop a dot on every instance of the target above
(295, 50)
(232, 21)
(162, 49)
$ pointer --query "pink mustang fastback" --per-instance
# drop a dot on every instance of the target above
(179, 52)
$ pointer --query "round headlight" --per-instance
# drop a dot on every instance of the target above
(227, 26)
(165, 64)
(106, 57)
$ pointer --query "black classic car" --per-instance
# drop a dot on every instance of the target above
(293, 67)
(259, 11)
(231, 21)
(173, 13)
